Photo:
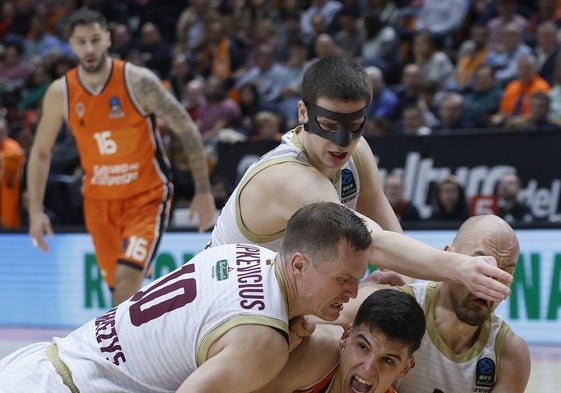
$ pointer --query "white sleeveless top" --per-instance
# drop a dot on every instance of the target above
(230, 228)
(155, 340)
(438, 369)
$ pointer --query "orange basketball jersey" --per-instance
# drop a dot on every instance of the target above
(120, 147)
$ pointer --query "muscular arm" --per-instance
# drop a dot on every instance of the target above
(242, 360)
(153, 98)
(514, 366)
(280, 190)
(314, 358)
(40, 160)
(372, 201)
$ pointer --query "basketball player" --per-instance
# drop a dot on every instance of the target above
(111, 108)
(327, 159)
(467, 347)
(217, 324)
(387, 329)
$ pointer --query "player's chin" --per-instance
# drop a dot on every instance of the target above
(332, 312)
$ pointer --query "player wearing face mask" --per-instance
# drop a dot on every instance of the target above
(327, 159)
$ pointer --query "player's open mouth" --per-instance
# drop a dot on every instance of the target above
(339, 155)
(360, 385)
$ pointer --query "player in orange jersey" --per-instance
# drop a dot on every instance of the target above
(111, 108)
(386, 331)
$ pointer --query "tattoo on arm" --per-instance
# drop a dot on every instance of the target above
(153, 97)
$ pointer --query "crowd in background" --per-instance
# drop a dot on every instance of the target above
(436, 67)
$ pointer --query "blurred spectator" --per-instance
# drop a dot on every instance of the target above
(474, 56)
(505, 59)
(434, 65)
(194, 96)
(291, 91)
(219, 112)
(267, 127)
(546, 50)
(537, 117)
(547, 11)
(428, 100)
(121, 41)
(482, 101)
(555, 93)
(413, 121)
(250, 105)
(384, 100)
(267, 74)
(442, 19)
(327, 9)
(350, 35)
(289, 32)
(515, 96)
(511, 208)
(451, 114)
(377, 126)
(388, 11)
(190, 25)
(325, 46)
(221, 189)
(403, 208)
(450, 202)
(14, 71)
(155, 52)
(35, 88)
(10, 182)
(39, 42)
(21, 20)
(216, 54)
(507, 14)
(407, 91)
(382, 47)
(7, 12)
(179, 75)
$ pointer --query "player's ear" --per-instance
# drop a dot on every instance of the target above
(408, 366)
(345, 336)
(299, 262)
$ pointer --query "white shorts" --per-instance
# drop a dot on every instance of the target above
(28, 369)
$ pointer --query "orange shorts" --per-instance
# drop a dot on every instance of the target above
(127, 231)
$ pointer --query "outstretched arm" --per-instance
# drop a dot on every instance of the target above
(39, 163)
(154, 98)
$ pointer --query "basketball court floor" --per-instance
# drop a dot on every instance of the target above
(545, 376)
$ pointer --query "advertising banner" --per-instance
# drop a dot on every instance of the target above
(63, 288)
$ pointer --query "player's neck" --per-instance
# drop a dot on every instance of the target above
(96, 79)
(457, 335)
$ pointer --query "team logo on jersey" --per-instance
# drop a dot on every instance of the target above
(222, 270)
(348, 184)
(115, 108)
(485, 374)
(80, 109)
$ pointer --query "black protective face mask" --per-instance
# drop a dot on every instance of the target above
(344, 135)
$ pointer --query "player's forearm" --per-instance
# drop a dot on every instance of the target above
(193, 147)
(403, 254)
(37, 173)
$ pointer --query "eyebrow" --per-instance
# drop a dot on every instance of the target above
(392, 355)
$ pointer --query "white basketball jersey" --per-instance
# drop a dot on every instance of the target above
(231, 229)
(157, 338)
(439, 370)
